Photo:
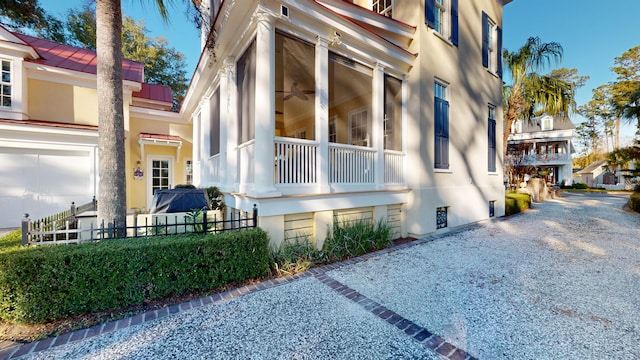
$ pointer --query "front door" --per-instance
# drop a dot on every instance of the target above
(161, 171)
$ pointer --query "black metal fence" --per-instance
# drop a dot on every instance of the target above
(194, 222)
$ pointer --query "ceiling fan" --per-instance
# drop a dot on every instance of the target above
(295, 92)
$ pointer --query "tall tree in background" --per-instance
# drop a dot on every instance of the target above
(599, 114)
(531, 93)
(163, 64)
(112, 205)
(626, 89)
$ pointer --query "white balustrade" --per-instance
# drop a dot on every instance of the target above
(295, 161)
(350, 164)
(393, 167)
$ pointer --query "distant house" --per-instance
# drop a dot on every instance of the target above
(541, 147)
(323, 110)
(49, 130)
(598, 175)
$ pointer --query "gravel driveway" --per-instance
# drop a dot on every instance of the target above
(560, 281)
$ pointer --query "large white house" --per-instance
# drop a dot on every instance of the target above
(542, 147)
(328, 109)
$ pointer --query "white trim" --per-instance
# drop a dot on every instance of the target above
(149, 174)
(358, 111)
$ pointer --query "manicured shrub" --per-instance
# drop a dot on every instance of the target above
(515, 203)
(351, 239)
(579, 186)
(45, 283)
(634, 201)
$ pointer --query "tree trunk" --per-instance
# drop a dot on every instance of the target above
(112, 206)
(617, 141)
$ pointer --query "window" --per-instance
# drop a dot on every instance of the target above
(5, 84)
(392, 113)
(189, 172)
(442, 17)
(383, 7)
(294, 86)
(359, 125)
(491, 45)
(214, 146)
(333, 136)
(246, 85)
(546, 123)
(492, 138)
(441, 217)
(350, 98)
(441, 124)
(492, 208)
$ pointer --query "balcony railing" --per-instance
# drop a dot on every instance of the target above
(533, 159)
(393, 167)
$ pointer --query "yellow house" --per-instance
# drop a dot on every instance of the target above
(49, 133)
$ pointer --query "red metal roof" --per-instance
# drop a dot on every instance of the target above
(149, 136)
(77, 59)
(155, 92)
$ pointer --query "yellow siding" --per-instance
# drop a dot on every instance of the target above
(137, 189)
(62, 103)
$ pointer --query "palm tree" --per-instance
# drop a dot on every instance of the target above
(530, 93)
(112, 203)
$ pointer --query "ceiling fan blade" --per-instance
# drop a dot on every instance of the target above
(288, 97)
(302, 96)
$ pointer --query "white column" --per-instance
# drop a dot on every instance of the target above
(405, 126)
(205, 140)
(197, 180)
(229, 121)
(265, 119)
(377, 127)
(322, 113)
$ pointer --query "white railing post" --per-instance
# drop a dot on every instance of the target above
(377, 114)
(322, 113)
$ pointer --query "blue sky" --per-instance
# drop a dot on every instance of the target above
(592, 33)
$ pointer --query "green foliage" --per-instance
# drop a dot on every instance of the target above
(295, 255)
(634, 201)
(355, 238)
(22, 13)
(579, 186)
(516, 202)
(185, 186)
(216, 198)
(41, 284)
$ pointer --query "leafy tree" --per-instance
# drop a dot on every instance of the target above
(531, 93)
(626, 89)
(599, 114)
(22, 13)
(163, 64)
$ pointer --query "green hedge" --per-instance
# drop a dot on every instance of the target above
(46, 283)
(515, 203)
(634, 201)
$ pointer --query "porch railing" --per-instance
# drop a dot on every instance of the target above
(295, 161)
(351, 164)
(532, 159)
(393, 167)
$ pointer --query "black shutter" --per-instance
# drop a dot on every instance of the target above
(499, 51)
(454, 22)
(441, 117)
(430, 13)
(485, 39)
(492, 145)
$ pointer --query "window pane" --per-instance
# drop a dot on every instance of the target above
(6, 66)
(6, 101)
(6, 90)
(295, 87)
(350, 93)
(214, 147)
(246, 83)
(6, 77)
(392, 113)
